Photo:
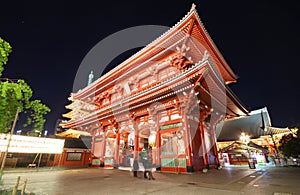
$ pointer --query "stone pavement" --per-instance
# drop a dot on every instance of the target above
(233, 180)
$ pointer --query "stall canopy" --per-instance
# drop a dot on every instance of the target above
(254, 125)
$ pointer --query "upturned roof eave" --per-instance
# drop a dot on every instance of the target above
(137, 55)
(159, 87)
(154, 44)
(198, 66)
(217, 51)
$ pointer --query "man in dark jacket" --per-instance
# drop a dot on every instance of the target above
(135, 168)
(145, 158)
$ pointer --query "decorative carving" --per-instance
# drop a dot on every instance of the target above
(98, 99)
(132, 115)
(193, 7)
(180, 59)
(153, 71)
(118, 89)
(180, 62)
(188, 102)
(84, 106)
(135, 81)
(204, 112)
(176, 105)
(183, 50)
(205, 56)
(114, 124)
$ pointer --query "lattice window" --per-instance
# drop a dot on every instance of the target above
(74, 156)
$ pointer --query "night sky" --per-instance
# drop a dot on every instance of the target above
(259, 40)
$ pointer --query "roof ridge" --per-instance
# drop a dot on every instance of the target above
(192, 10)
(213, 43)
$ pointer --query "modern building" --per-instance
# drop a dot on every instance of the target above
(169, 97)
(257, 123)
(250, 137)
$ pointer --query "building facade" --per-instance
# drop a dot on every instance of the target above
(168, 98)
(76, 153)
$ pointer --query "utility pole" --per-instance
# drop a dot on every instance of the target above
(8, 143)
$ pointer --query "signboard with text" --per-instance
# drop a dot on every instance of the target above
(29, 144)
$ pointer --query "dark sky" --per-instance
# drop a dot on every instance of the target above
(259, 39)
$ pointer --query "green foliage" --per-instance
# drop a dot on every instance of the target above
(5, 49)
(38, 110)
(16, 94)
(290, 145)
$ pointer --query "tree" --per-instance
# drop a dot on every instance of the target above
(16, 94)
(290, 145)
(5, 49)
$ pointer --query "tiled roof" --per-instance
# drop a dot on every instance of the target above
(84, 142)
(254, 125)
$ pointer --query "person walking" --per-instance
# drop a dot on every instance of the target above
(146, 160)
(143, 157)
(135, 168)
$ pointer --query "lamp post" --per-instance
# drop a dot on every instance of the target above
(244, 138)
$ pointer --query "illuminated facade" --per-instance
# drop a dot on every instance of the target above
(266, 145)
(169, 96)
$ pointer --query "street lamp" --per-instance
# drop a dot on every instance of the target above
(244, 138)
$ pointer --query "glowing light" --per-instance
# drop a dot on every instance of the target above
(28, 144)
(152, 139)
(244, 138)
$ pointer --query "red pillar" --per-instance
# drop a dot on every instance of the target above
(136, 145)
(102, 158)
(188, 152)
(213, 134)
(93, 141)
(136, 150)
(158, 148)
(157, 141)
(205, 156)
(117, 151)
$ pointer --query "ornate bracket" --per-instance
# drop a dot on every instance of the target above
(204, 112)
(180, 60)
(188, 102)
(114, 125)
(191, 101)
